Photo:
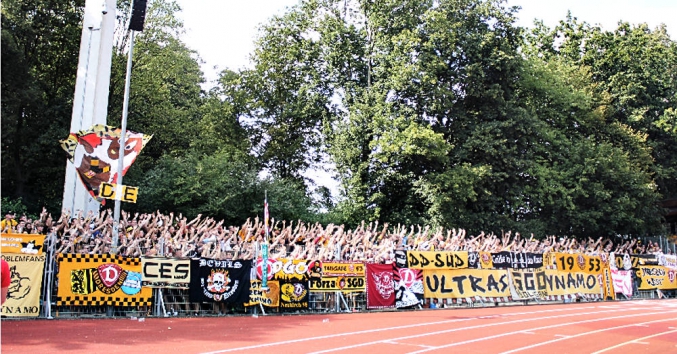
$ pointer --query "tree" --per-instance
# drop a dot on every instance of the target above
(40, 45)
(440, 79)
(165, 93)
(633, 68)
(219, 127)
(288, 100)
(222, 186)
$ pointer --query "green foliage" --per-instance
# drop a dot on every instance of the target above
(287, 100)
(16, 206)
(221, 185)
(633, 68)
(433, 112)
(40, 41)
(165, 94)
(220, 110)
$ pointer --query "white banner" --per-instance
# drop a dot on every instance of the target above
(667, 260)
(622, 281)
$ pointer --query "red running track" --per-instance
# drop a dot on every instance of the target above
(648, 326)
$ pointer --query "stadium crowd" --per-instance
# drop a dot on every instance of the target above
(157, 234)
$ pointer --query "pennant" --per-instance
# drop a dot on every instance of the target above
(95, 152)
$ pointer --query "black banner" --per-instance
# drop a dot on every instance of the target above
(474, 260)
(627, 262)
(294, 294)
(220, 280)
(517, 260)
(408, 287)
(401, 259)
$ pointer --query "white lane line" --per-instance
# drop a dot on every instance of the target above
(562, 335)
(292, 341)
(527, 332)
(634, 341)
(476, 327)
(552, 326)
(408, 344)
(586, 333)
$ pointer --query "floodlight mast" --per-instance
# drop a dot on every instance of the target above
(90, 99)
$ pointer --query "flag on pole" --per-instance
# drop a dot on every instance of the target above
(264, 247)
(266, 215)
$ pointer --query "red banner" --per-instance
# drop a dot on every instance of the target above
(380, 286)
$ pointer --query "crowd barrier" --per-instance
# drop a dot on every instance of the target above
(105, 285)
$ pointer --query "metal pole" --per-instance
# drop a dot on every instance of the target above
(48, 279)
(121, 157)
(264, 248)
(660, 241)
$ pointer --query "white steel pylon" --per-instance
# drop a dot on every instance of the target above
(90, 103)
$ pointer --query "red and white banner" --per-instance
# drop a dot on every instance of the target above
(380, 286)
(622, 281)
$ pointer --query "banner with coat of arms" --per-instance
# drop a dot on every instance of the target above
(294, 294)
(408, 287)
(380, 283)
(101, 279)
(578, 262)
(656, 277)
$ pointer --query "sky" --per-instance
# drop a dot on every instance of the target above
(223, 31)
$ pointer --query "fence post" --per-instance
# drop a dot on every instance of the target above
(48, 278)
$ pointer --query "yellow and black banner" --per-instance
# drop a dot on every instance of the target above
(626, 261)
(437, 259)
(609, 291)
(342, 269)
(456, 283)
(270, 298)
(579, 262)
(344, 284)
(528, 283)
(23, 295)
(567, 283)
(656, 277)
(288, 269)
(22, 243)
(101, 279)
